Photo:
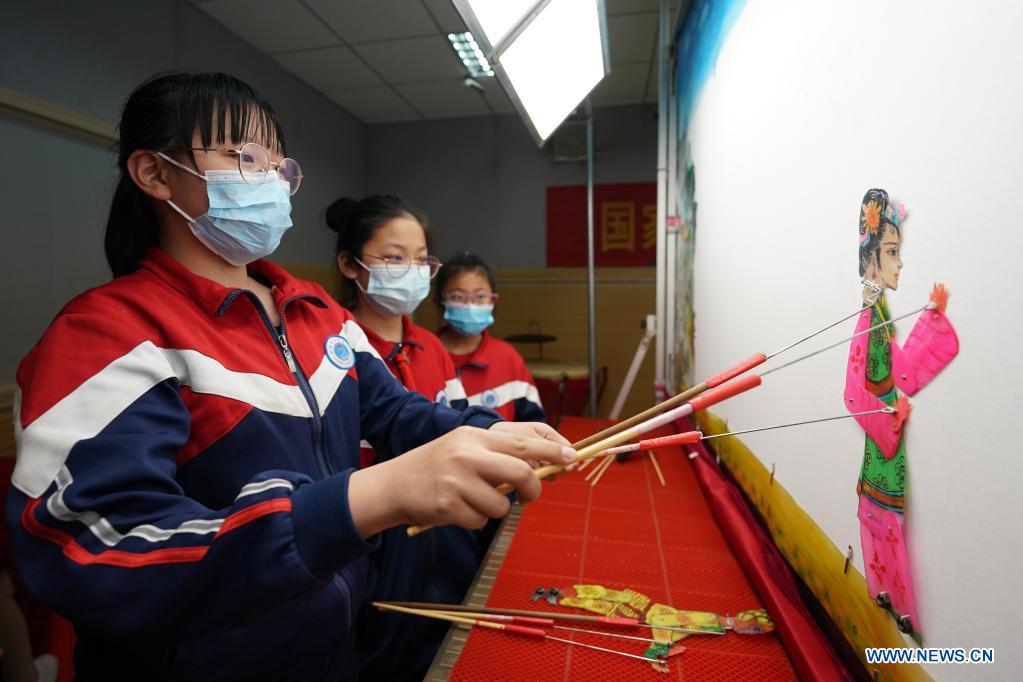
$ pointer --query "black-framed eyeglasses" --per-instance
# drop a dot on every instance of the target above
(254, 163)
(397, 266)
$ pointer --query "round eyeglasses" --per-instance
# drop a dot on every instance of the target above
(254, 163)
(477, 298)
(397, 266)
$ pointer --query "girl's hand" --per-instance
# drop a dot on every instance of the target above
(453, 479)
(536, 430)
(531, 430)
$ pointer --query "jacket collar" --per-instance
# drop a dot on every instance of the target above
(408, 338)
(476, 357)
(214, 297)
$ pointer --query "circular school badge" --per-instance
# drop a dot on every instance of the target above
(489, 399)
(339, 352)
(442, 397)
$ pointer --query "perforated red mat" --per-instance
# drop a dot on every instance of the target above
(627, 532)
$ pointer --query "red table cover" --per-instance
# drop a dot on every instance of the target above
(627, 532)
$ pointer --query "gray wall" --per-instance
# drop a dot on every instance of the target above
(87, 56)
(482, 181)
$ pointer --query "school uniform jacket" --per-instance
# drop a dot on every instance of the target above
(495, 376)
(437, 566)
(181, 486)
(420, 362)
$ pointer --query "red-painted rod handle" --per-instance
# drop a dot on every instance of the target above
(674, 439)
(617, 620)
(729, 390)
(732, 372)
(528, 632)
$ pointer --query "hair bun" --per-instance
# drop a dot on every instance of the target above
(339, 213)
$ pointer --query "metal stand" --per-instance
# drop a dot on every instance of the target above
(650, 325)
(591, 271)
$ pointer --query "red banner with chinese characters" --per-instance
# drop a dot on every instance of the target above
(624, 225)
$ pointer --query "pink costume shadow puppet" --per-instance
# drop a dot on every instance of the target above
(878, 370)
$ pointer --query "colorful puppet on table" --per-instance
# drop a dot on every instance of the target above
(878, 370)
(675, 624)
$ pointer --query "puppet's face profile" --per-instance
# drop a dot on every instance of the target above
(889, 259)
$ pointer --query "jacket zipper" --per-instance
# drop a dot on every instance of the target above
(280, 337)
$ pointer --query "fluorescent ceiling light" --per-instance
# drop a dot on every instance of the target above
(471, 55)
(550, 56)
(556, 62)
(497, 17)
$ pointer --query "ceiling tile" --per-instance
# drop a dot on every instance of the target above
(271, 25)
(413, 59)
(456, 113)
(632, 37)
(446, 15)
(375, 104)
(403, 42)
(360, 21)
(333, 68)
(448, 97)
(624, 84)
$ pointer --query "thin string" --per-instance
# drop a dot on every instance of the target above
(844, 341)
(819, 331)
(600, 648)
(886, 410)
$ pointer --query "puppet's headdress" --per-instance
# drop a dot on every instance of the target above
(877, 205)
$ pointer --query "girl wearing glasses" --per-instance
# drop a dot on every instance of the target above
(492, 371)
(383, 247)
(188, 490)
(383, 255)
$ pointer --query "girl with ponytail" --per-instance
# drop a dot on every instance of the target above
(188, 490)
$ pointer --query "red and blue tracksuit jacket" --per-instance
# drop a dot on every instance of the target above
(420, 362)
(181, 486)
(439, 565)
(495, 376)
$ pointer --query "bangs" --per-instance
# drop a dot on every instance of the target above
(226, 110)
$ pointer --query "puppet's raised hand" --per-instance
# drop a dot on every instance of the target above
(902, 408)
(939, 296)
(930, 347)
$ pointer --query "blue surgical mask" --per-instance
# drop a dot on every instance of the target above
(468, 319)
(396, 295)
(245, 221)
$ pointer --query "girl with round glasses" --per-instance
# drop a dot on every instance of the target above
(187, 489)
(491, 370)
(383, 254)
(383, 247)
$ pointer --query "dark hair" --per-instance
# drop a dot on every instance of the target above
(873, 227)
(456, 265)
(357, 220)
(162, 114)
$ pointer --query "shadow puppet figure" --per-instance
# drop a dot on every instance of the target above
(880, 374)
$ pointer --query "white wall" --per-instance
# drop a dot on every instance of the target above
(811, 104)
(56, 189)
